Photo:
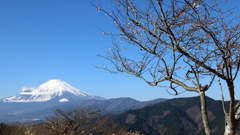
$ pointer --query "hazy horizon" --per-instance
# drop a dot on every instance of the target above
(57, 39)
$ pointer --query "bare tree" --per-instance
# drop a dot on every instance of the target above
(184, 45)
(17, 129)
(79, 121)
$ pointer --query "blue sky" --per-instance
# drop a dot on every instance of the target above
(58, 39)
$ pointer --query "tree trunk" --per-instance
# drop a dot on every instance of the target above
(230, 121)
(229, 127)
(204, 113)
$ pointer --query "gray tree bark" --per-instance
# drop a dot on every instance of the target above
(230, 129)
(230, 120)
(204, 113)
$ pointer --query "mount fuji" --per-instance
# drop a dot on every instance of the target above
(34, 105)
(53, 90)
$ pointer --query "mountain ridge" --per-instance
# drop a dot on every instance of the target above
(12, 112)
(178, 116)
(37, 103)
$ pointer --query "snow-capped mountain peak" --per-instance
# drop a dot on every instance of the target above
(57, 87)
(53, 89)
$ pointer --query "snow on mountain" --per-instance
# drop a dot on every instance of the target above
(53, 89)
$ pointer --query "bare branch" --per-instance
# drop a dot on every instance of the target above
(221, 92)
(182, 42)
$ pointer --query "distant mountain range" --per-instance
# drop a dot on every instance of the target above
(36, 104)
(180, 116)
